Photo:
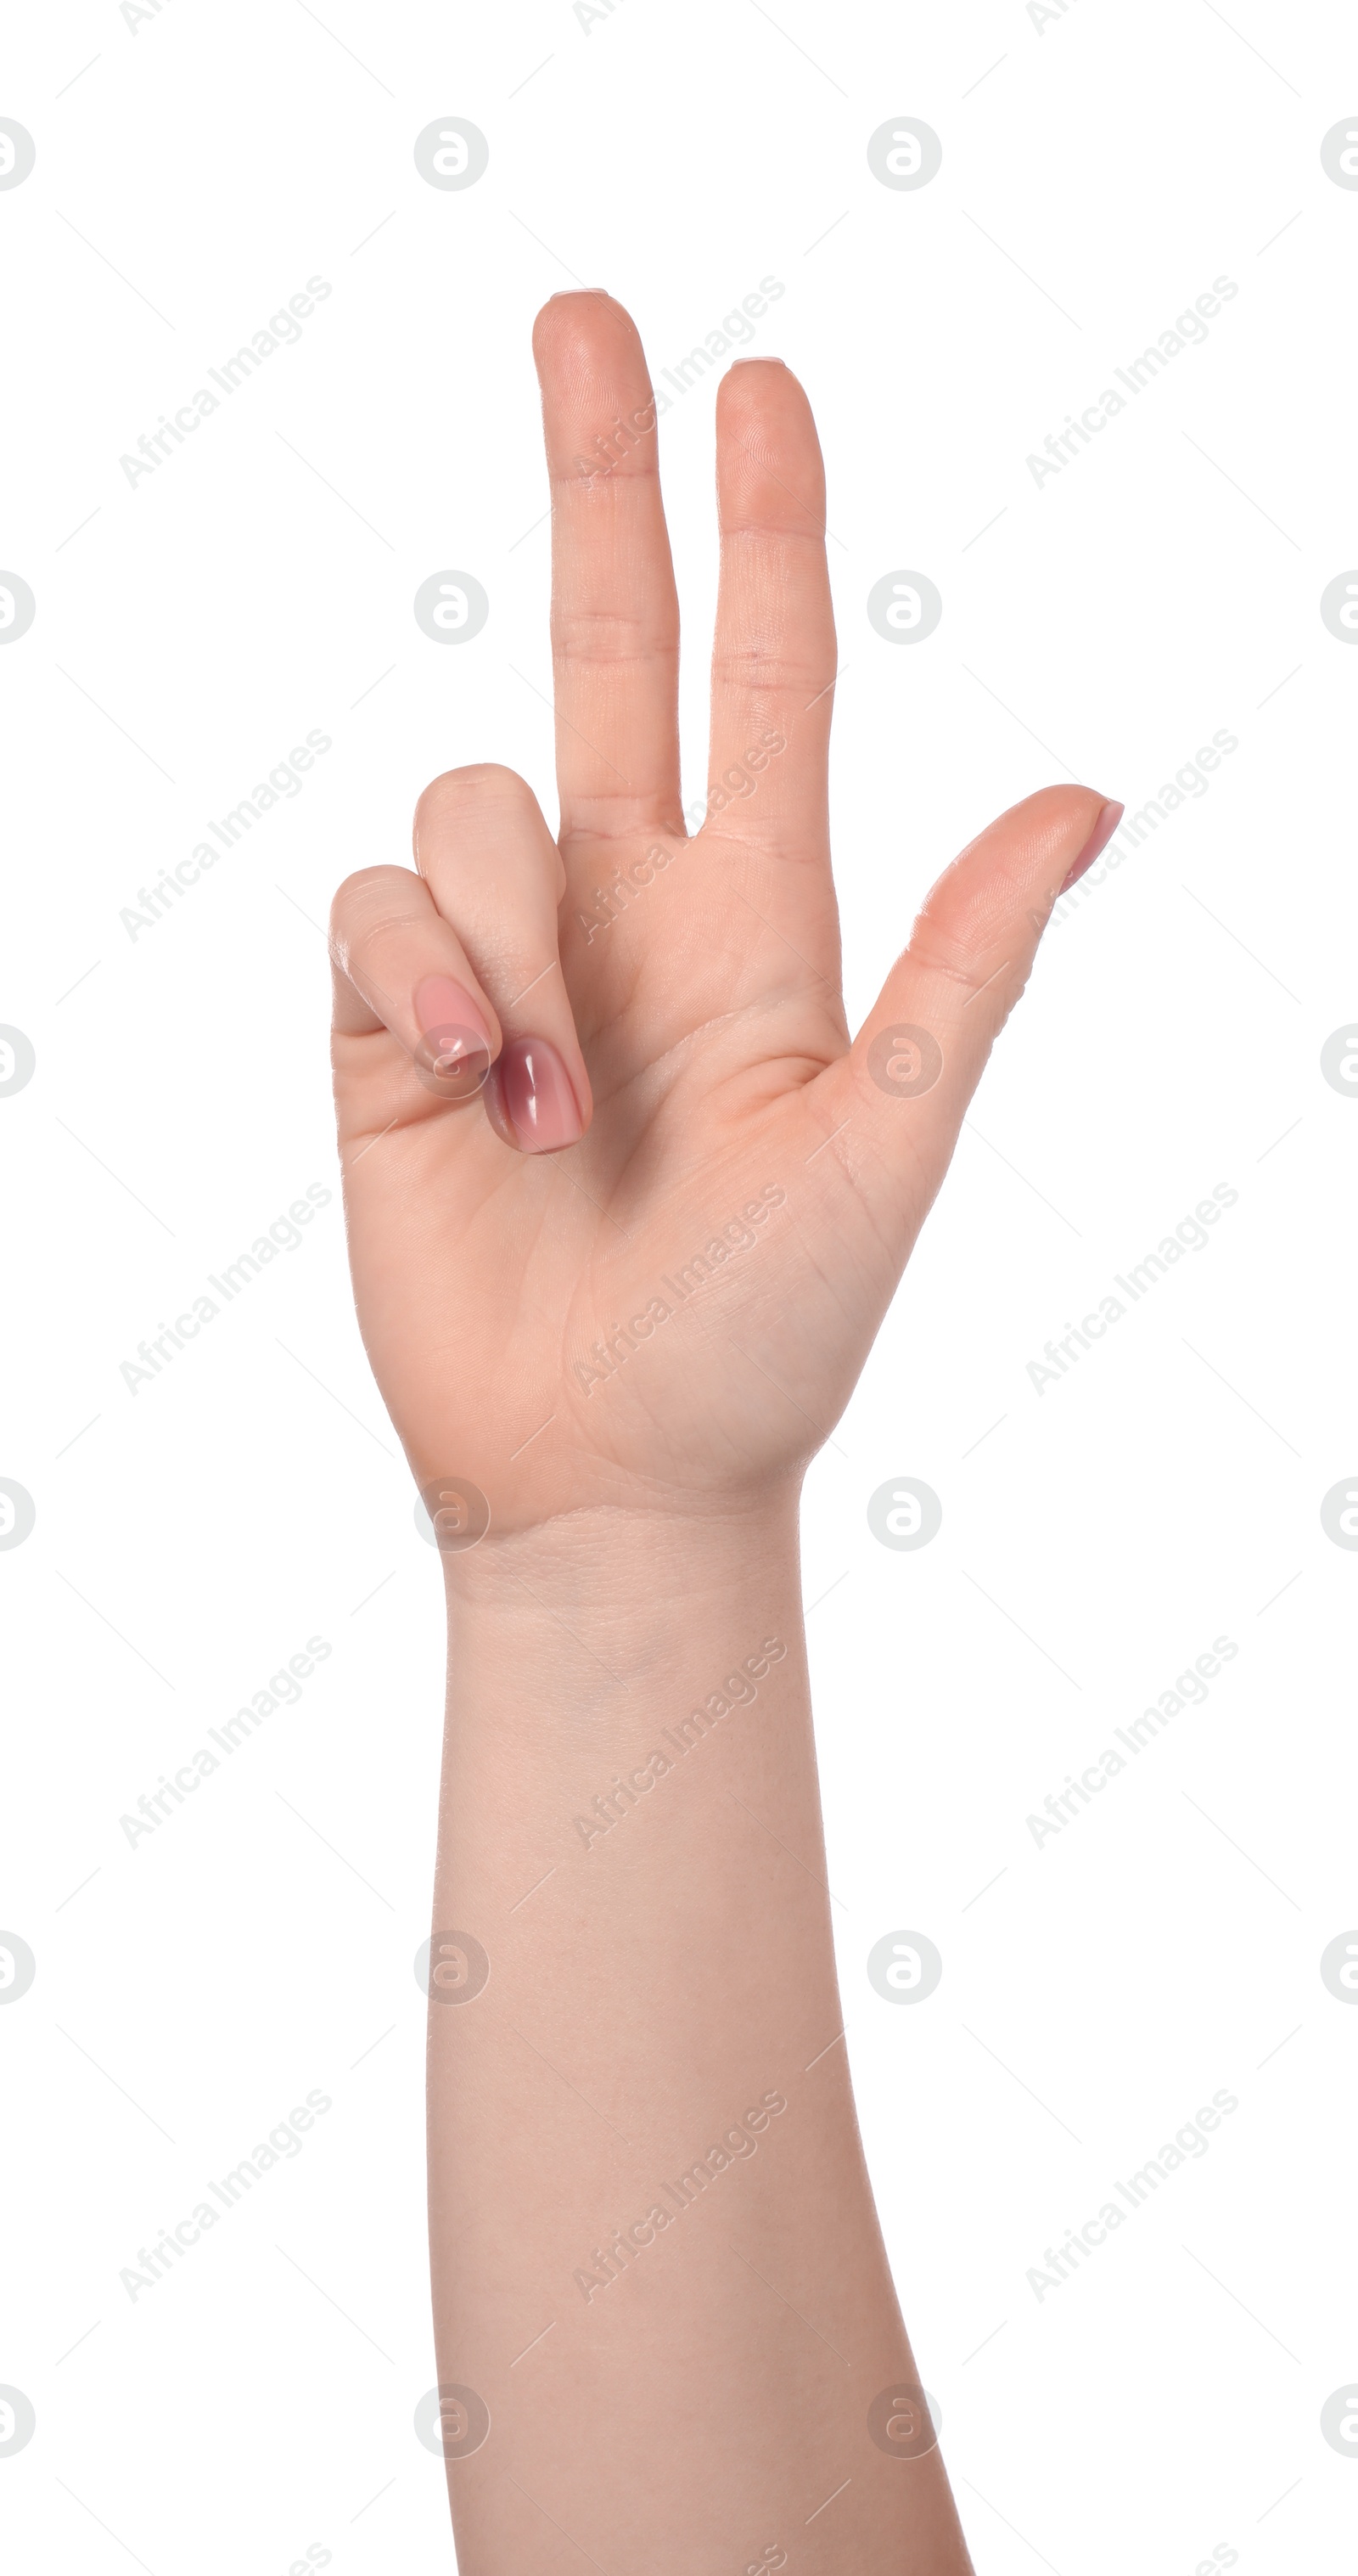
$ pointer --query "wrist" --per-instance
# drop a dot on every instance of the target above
(631, 1582)
(605, 1647)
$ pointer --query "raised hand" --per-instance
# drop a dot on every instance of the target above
(626, 1208)
(655, 1199)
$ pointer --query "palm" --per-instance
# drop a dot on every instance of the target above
(675, 1307)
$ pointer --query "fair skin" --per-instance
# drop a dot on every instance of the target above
(618, 1290)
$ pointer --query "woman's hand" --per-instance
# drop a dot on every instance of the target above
(641, 1264)
(626, 1208)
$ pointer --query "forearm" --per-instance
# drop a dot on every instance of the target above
(669, 2292)
(657, 2268)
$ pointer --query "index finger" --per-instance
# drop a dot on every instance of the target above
(615, 611)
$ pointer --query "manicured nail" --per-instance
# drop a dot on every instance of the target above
(763, 359)
(1109, 818)
(537, 1095)
(452, 1057)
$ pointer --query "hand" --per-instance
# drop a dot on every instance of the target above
(612, 1165)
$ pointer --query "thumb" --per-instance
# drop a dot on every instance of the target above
(907, 1082)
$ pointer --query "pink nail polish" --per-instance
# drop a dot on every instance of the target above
(452, 1057)
(537, 1095)
(1108, 821)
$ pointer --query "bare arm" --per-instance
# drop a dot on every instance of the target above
(626, 1207)
(655, 2252)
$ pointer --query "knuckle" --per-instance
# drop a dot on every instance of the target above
(955, 951)
(353, 900)
(459, 796)
(763, 668)
(368, 906)
(586, 634)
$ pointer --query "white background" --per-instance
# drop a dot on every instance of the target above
(1098, 173)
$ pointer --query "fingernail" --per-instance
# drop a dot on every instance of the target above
(537, 1094)
(762, 359)
(1109, 818)
(452, 1057)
